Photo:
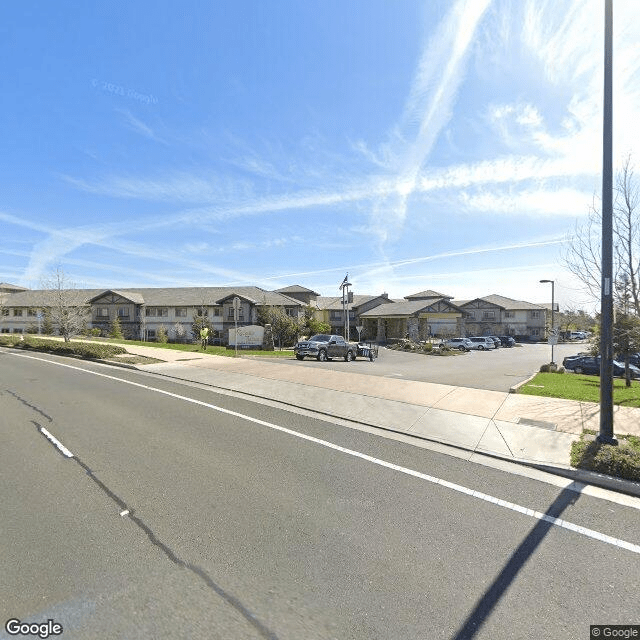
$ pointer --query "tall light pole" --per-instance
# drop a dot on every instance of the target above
(552, 333)
(606, 297)
(345, 306)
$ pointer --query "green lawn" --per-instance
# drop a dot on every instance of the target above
(572, 386)
(194, 348)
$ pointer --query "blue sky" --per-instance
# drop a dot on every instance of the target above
(415, 145)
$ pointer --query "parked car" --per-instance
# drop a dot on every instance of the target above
(324, 347)
(590, 365)
(634, 359)
(482, 343)
(462, 344)
(577, 335)
(496, 341)
(507, 341)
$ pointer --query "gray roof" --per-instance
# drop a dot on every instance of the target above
(335, 302)
(296, 288)
(162, 297)
(423, 295)
(403, 308)
(501, 301)
(5, 286)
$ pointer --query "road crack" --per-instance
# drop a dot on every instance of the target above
(127, 511)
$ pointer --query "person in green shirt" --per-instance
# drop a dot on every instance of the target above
(204, 337)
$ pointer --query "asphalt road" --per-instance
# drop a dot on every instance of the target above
(496, 370)
(188, 514)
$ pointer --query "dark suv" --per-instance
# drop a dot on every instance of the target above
(591, 366)
(507, 341)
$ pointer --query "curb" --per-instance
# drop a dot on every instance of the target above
(583, 476)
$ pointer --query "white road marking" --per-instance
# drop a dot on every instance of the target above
(57, 443)
(558, 522)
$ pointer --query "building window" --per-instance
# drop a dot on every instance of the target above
(17, 331)
(181, 312)
(509, 314)
(157, 312)
(535, 332)
(5, 312)
(123, 312)
(217, 311)
(489, 315)
(31, 313)
(17, 312)
(240, 313)
(202, 312)
(336, 315)
(102, 312)
(291, 312)
(470, 315)
(535, 315)
(5, 330)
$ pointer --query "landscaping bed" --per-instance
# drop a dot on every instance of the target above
(621, 461)
(96, 351)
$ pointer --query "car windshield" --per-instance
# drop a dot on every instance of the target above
(321, 337)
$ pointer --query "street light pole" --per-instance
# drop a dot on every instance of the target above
(552, 333)
(606, 297)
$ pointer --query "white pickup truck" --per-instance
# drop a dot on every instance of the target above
(323, 347)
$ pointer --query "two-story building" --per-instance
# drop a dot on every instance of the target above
(419, 316)
(142, 311)
(330, 310)
(499, 315)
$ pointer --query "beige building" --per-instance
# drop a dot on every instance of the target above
(142, 312)
(500, 316)
(417, 317)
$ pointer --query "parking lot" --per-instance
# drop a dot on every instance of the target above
(496, 370)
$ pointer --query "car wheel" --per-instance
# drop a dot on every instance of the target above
(322, 355)
(480, 347)
(578, 369)
(348, 356)
(300, 357)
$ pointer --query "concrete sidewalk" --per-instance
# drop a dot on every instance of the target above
(519, 428)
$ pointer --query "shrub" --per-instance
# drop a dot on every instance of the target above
(78, 349)
(161, 335)
(622, 461)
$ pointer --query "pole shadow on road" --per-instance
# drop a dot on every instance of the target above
(525, 550)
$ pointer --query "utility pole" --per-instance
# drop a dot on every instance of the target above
(606, 297)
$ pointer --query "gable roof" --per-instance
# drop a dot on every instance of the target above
(508, 304)
(296, 288)
(425, 295)
(161, 296)
(335, 302)
(406, 308)
(7, 287)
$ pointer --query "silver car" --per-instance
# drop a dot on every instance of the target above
(482, 343)
(462, 344)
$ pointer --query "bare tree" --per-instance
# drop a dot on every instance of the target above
(583, 252)
(68, 306)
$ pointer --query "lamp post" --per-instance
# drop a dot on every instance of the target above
(552, 333)
(606, 293)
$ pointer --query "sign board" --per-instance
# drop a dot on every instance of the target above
(247, 337)
(553, 339)
(236, 308)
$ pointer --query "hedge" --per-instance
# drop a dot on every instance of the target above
(79, 349)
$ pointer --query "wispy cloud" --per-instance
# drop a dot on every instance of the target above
(136, 125)
(428, 108)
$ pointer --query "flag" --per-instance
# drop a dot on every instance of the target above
(346, 279)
